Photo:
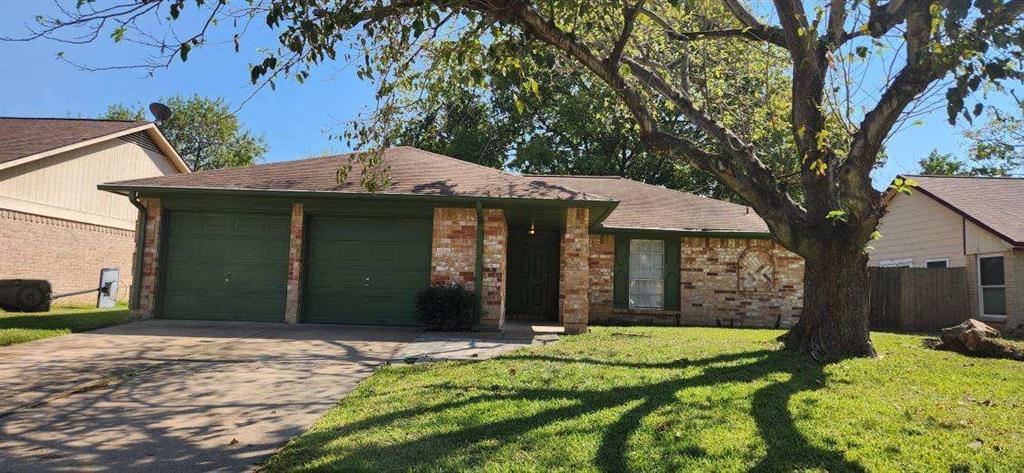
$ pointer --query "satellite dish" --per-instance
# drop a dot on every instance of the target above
(160, 111)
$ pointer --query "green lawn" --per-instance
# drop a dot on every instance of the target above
(680, 399)
(18, 327)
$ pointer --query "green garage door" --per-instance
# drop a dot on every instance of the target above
(365, 270)
(226, 266)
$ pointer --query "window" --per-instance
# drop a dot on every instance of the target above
(992, 280)
(937, 263)
(647, 274)
(897, 263)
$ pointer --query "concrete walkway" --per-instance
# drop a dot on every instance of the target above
(439, 346)
(177, 396)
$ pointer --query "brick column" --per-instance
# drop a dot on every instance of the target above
(574, 272)
(602, 277)
(291, 310)
(453, 247)
(150, 261)
(495, 261)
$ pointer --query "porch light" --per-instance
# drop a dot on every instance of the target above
(532, 230)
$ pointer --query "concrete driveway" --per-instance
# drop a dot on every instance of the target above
(177, 396)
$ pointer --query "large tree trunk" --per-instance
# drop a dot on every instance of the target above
(834, 320)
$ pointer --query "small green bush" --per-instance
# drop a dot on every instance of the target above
(449, 307)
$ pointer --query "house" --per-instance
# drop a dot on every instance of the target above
(288, 242)
(54, 223)
(972, 222)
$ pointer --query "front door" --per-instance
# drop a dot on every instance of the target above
(533, 276)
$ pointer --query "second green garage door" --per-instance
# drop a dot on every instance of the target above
(365, 270)
(225, 266)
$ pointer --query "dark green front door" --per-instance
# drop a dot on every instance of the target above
(533, 275)
(225, 266)
(365, 270)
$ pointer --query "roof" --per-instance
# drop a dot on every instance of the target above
(26, 139)
(411, 171)
(649, 207)
(993, 203)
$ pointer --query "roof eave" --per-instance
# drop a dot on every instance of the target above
(967, 216)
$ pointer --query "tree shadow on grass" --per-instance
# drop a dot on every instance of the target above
(787, 449)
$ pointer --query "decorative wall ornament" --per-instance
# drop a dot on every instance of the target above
(756, 270)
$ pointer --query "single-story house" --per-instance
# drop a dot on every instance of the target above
(54, 223)
(975, 223)
(288, 242)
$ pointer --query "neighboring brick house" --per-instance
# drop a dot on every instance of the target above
(975, 223)
(288, 242)
(54, 223)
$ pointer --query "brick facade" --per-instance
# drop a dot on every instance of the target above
(495, 262)
(150, 261)
(68, 254)
(574, 272)
(602, 277)
(453, 247)
(295, 238)
(717, 288)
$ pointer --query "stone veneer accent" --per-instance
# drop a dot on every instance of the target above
(453, 247)
(602, 277)
(69, 254)
(150, 260)
(294, 294)
(574, 272)
(495, 262)
(711, 284)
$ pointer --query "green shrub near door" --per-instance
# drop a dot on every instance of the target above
(447, 308)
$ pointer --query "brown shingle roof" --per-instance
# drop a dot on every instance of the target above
(996, 203)
(411, 171)
(21, 137)
(647, 207)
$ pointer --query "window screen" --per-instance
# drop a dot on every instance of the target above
(647, 274)
(993, 285)
(936, 264)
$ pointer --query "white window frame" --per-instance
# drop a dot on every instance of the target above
(934, 260)
(981, 289)
(897, 263)
(629, 281)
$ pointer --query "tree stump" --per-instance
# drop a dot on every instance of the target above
(975, 338)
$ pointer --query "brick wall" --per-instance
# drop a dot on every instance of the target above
(495, 262)
(150, 264)
(66, 253)
(602, 277)
(453, 247)
(574, 272)
(294, 295)
(716, 288)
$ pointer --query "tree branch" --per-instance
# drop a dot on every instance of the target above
(771, 34)
(629, 20)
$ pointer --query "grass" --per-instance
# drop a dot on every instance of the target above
(16, 327)
(679, 399)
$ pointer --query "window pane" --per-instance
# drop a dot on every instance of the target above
(936, 264)
(992, 271)
(646, 273)
(994, 300)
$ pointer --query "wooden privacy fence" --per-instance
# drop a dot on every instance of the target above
(918, 299)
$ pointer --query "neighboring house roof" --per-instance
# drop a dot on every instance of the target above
(24, 140)
(411, 171)
(414, 172)
(993, 203)
(648, 207)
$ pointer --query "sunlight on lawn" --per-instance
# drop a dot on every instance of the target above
(678, 399)
(20, 327)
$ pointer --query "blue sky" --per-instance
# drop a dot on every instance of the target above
(296, 120)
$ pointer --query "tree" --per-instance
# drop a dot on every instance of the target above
(867, 66)
(944, 164)
(204, 131)
(999, 144)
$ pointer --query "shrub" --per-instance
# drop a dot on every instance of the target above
(449, 307)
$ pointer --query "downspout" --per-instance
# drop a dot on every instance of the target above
(140, 238)
(478, 280)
